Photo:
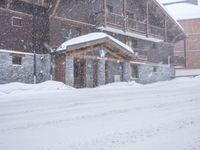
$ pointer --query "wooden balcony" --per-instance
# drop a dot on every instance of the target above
(136, 26)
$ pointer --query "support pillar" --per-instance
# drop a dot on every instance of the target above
(101, 77)
(69, 72)
(89, 73)
(126, 71)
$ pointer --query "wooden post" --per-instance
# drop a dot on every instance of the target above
(165, 30)
(8, 3)
(124, 14)
(185, 52)
(55, 8)
(147, 19)
(105, 12)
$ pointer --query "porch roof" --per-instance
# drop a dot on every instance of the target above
(93, 39)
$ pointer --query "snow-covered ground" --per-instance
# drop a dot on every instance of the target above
(187, 72)
(121, 116)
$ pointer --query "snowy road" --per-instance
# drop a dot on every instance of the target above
(122, 116)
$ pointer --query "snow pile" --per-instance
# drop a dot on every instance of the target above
(183, 11)
(21, 87)
(91, 37)
(120, 116)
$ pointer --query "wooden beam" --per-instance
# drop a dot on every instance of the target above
(97, 58)
(55, 8)
(147, 19)
(73, 21)
(16, 12)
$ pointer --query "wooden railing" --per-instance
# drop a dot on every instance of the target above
(115, 19)
(134, 25)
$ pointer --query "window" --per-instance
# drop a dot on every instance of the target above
(109, 8)
(16, 60)
(16, 21)
(132, 43)
(69, 33)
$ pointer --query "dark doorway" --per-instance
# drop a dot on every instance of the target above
(79, 73)
(134, 73)
(60, 68)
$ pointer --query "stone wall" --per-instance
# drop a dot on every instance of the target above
(24, 73)
(149, 73)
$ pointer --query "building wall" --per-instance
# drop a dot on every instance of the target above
(192, 30)
(24, 73)
(12, 37)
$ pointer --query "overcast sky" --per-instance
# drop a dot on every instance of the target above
(183, 10)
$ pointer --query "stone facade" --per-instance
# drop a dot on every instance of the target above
(150, 73)
(69, 75)
(24, 73)
(101, 80)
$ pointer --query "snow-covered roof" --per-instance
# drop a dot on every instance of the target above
(130, 34)
(15, 52)
(92, 37)
(183, 11)
(169, 13)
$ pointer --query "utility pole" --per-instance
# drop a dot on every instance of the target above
(34, 43)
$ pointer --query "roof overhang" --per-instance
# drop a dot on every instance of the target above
(94, 40)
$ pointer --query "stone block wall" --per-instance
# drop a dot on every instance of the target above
(149, 74)
(24, 73)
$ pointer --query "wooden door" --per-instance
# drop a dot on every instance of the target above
(60, 68)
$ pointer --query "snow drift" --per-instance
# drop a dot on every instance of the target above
(120, 116)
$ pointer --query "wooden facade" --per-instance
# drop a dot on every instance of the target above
(144, 25)
(190, 47)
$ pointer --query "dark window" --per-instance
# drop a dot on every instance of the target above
(135, 73)
(155, 69)
(109, 8)
(16, 21)
(130, 15)
(135, 43)
(154, 45)
(69, 33)
(17, 60)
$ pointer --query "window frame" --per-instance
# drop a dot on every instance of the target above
(16, 59)
(17, 18)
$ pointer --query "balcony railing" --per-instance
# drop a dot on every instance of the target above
(134, 25)
(115, 19)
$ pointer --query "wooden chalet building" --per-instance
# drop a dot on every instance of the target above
(28, 26)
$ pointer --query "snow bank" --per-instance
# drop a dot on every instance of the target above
(119, 116)
(21, 87)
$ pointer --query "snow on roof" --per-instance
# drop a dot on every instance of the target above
(92, 37)
(170, 14)
(183, 11)
(138, 36)
(15, 52)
